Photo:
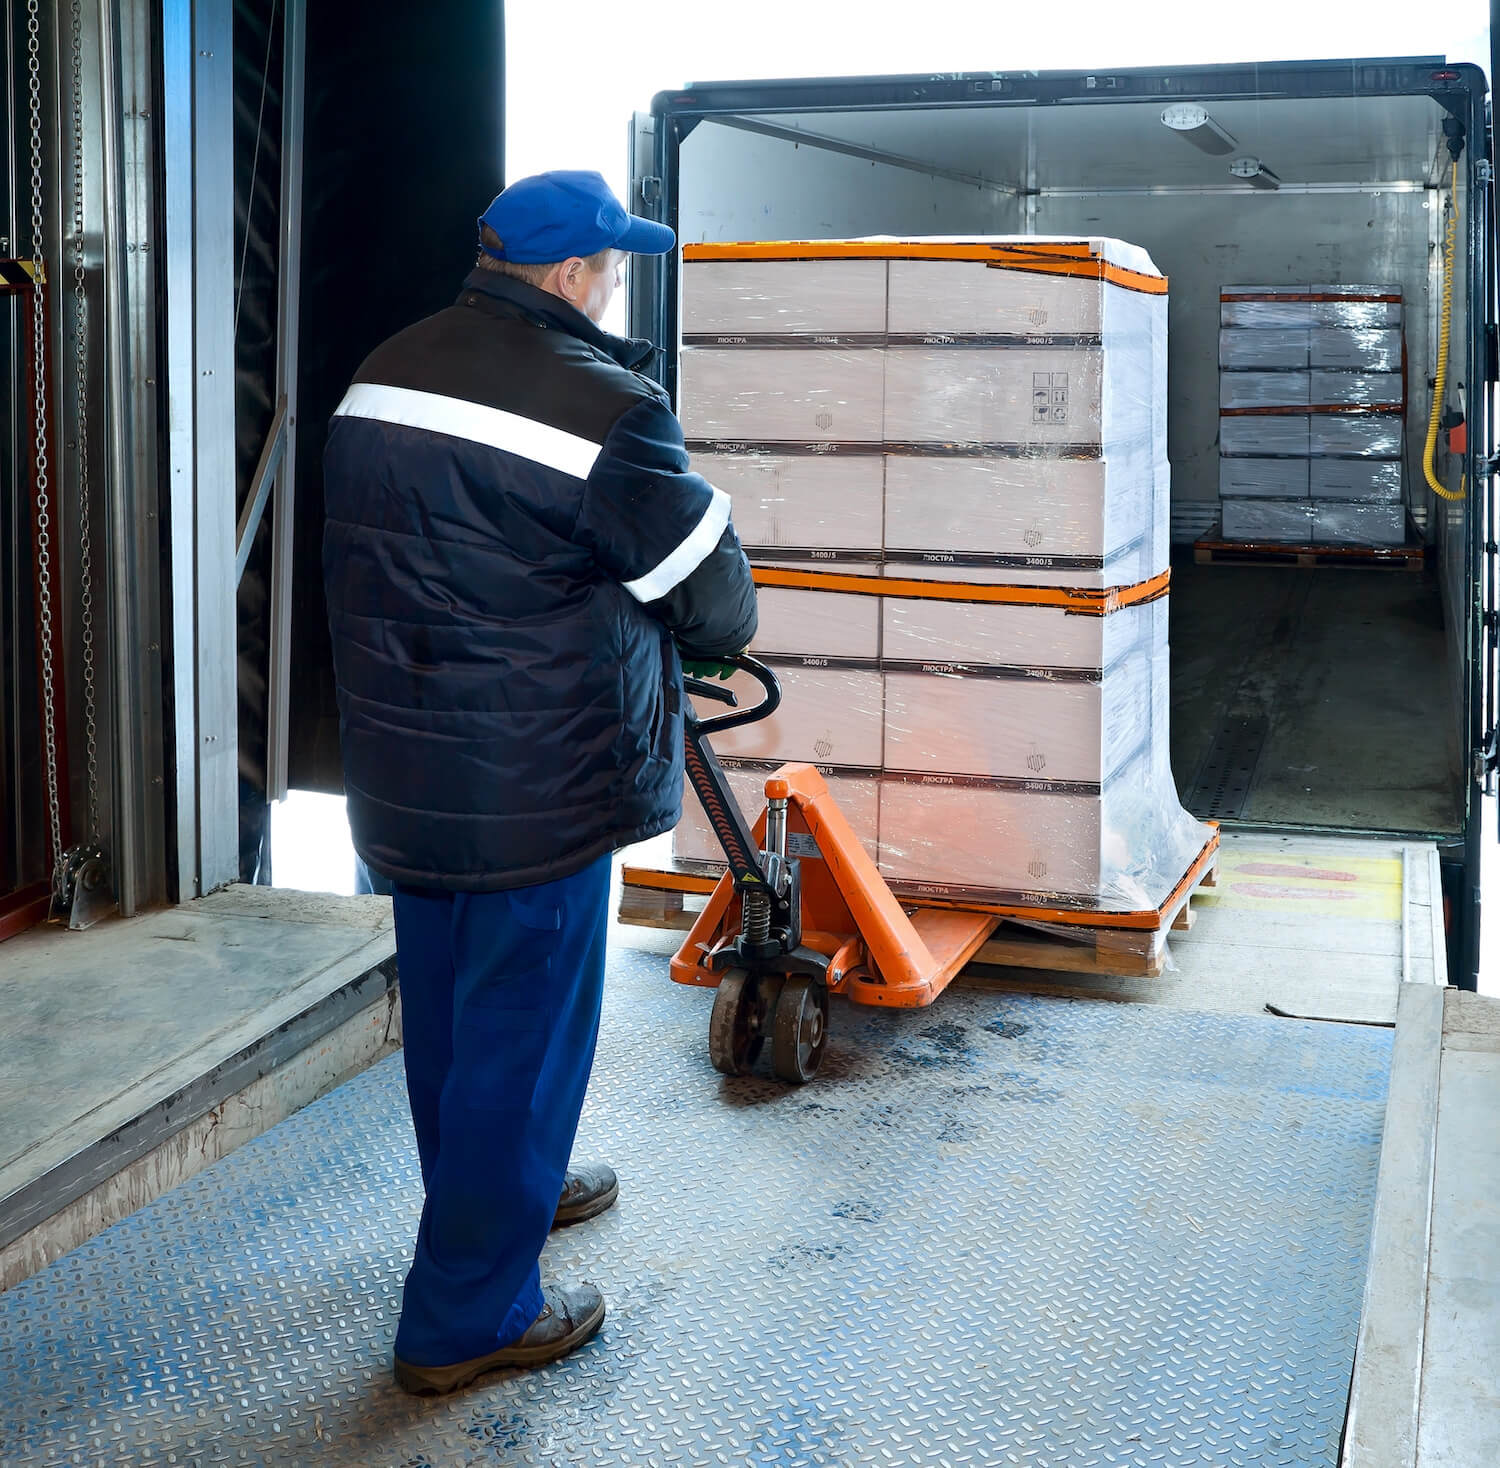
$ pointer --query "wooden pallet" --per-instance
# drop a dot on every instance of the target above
(1062, 942)
(1347, 557)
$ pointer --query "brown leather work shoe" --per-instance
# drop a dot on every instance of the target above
(571, 1316)
(586, 1192)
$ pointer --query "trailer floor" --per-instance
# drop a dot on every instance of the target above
(1006, 1230)
(1313, 698)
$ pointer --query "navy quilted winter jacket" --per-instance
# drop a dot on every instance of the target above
(514, 544)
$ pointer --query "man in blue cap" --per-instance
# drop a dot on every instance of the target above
(517, 556)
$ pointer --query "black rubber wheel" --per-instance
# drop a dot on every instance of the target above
(737, 1028)
(801, 1031)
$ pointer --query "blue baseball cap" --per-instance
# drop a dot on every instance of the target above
(555, 216)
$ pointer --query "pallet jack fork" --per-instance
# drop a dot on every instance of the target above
(803, 912)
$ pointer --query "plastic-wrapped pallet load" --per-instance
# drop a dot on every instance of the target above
(1263, 478)
(948, 463)
(1269, 521)
(1368, 350)
(1265, 436)
(1250, 349)
(1312, 396)
(1356, 436)
(1297, 392)
(1343, 307)
(1364, 481)
(1344, 523)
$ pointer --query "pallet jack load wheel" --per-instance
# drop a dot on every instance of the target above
(801, 1030)
(737, 1028)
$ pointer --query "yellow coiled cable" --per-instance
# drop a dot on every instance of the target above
(1429, 457)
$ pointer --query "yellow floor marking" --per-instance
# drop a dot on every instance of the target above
(1290, 883)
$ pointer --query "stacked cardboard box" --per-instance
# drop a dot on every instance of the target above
(948, 463)
(1311, 396)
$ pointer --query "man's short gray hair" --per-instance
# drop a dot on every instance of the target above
(531, 274)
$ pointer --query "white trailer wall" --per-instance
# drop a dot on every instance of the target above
(739, 185)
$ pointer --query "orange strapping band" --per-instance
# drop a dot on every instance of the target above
(1049, 259)
(1311, 296)
(1080, 600)
(1305, 410)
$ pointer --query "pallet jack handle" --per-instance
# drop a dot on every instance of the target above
(747, 863)
(702, 688)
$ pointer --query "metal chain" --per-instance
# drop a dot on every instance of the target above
(43, 490)
(80, 347)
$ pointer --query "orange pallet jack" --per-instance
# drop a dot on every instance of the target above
(802, 912)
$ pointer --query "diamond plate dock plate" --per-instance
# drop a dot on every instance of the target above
(1001, 1231)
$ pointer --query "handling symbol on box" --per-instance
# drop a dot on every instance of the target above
(1049, 397)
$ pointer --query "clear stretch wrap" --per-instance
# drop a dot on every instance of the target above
(1243, 349)
(1315, 522)
(1276, 522)
(1342, 435)
(1321, 388)
(1312, 396)
(1256, 436)
(1371, 350)
(1355, 436)
(1304, 306)
(947, 461)
(1369, 481)
(1263, 478)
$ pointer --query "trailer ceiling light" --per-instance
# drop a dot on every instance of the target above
(1189, 120)
(1255, 173)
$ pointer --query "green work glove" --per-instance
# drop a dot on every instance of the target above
(714, 669)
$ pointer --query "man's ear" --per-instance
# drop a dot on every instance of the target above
(570, 277)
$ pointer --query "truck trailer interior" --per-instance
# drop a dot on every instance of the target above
(1323, 699)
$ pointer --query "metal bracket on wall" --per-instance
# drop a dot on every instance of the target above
(81, 888)
(271, 456)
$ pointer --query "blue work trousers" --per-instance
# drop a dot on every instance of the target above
(500, 995)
